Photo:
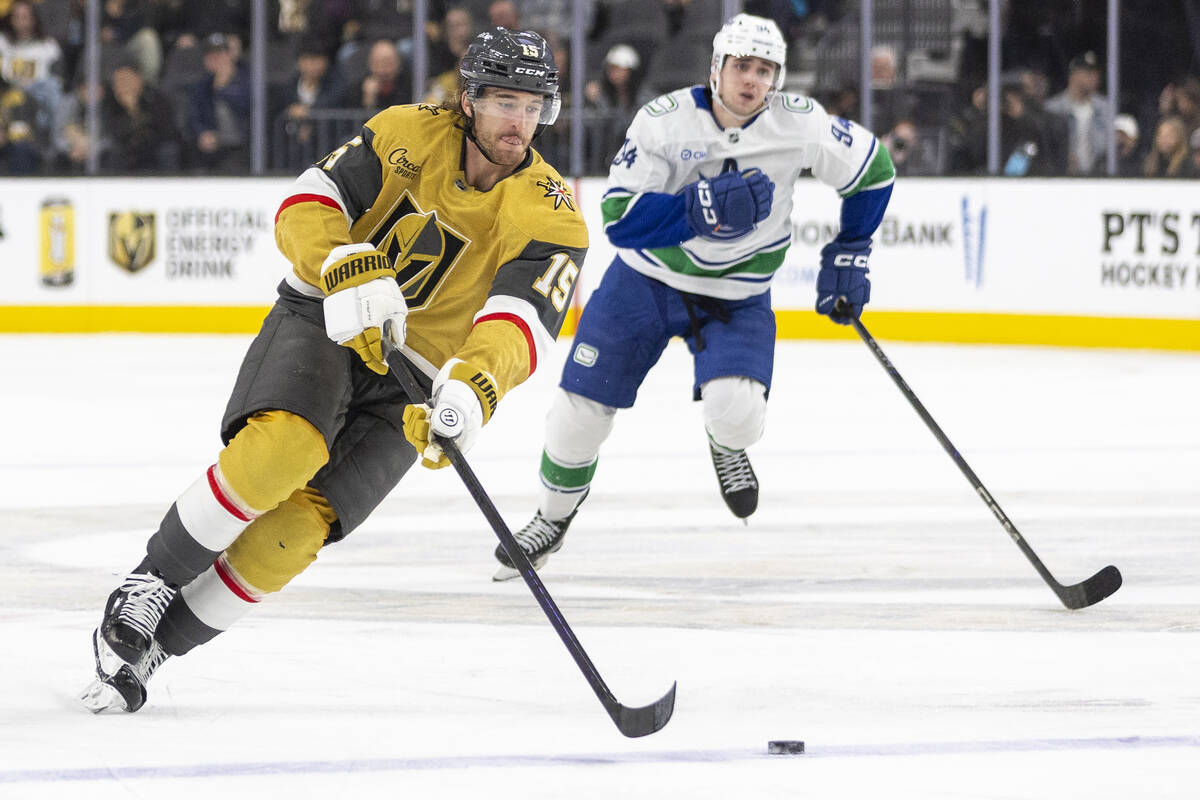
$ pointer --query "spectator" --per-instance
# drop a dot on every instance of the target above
(967, 136)
(843, 102)
(503, 14)
(890, 101)
(1193, 167)
(19, 154)
(1087, 115)
(188, 23)
(1181, 99)
(1168, 157)
(387, 83)
(71, 143)
(140, 124)
(616, 98)
(31, 61)
(126, 33)
(458, 28)
(1128, 163)
(219, 111)
(313, 85)
(1025, 146)
(912, 153)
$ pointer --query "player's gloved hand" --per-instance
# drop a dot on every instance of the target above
(729, 205)
(361, 293)
(843, 274)
(464, 398)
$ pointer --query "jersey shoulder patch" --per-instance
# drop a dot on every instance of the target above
(544, 206)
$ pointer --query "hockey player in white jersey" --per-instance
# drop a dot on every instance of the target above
(699, 205)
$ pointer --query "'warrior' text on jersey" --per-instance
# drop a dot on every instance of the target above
(487, 276)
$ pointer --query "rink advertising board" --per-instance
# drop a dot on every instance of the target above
(1093, 263)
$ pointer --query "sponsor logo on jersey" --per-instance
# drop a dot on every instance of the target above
(131, 238)
(559, 192)
(692, 155)
(401, 165)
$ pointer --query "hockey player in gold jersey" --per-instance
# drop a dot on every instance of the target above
(441, 220)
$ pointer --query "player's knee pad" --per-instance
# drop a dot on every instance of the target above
(735, 411)
(280, 544)
(576, 427)
(274, 455)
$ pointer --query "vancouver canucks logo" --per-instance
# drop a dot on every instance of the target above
(423, 248)
(559, 191)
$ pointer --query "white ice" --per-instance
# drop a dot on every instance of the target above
(872, 608)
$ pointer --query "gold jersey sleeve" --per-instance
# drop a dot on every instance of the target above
(488, 276)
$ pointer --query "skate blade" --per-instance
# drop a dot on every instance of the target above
(99, 696)
(508, 573)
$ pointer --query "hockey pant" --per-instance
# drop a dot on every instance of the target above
(734, 411)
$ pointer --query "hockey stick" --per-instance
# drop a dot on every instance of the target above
(1079, 595)
(632, 722)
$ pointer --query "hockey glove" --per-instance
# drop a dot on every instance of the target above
(464, 398)
(843, 274)
(361, 294)
(729, 205)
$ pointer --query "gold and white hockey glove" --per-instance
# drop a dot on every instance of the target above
(361, 294)
(464, 398)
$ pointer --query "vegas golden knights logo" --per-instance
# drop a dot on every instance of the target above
(422, 247)
(131, 239)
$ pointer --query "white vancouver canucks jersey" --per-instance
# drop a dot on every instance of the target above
(675, 140)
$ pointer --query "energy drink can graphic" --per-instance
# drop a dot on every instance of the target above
(58, 242)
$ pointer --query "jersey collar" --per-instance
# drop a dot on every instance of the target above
(702, 97)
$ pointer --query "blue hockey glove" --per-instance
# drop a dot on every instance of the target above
(729, 205)
(843, 274)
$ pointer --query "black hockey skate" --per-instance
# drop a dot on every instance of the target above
(538, 539)
(739, 485)
(118, 685)
(133, 612)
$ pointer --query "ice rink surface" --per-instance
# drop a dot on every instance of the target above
(873, 607)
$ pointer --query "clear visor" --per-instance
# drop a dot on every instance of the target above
(522, 107)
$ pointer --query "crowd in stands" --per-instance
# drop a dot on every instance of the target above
(176, 94)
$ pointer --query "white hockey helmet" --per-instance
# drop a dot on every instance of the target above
(748, 35)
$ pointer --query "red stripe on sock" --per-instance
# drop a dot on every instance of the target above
(232, 583)
(225, 502)
(523, 327)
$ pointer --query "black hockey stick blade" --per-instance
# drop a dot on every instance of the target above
(1092, 591)
(1079, 595)
(635, 722)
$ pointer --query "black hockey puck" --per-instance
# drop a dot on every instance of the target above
(785, 747)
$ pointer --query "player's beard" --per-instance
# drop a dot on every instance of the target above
(502, 148)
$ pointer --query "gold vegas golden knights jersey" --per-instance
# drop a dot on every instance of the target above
(488, 276)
